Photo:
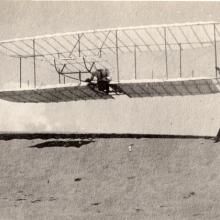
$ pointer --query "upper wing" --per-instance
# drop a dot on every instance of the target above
(97, 42)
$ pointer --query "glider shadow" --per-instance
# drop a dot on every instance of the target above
(63, 143)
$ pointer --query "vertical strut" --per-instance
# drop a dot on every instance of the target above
(117, 59)
(135, 62)
(20, 70)
(59, 78)
(215, 47)
(80, 77)
(165, 44)
(180, 60)
(34, 57)
(79, 49)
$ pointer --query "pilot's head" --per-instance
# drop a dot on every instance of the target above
(107, 71)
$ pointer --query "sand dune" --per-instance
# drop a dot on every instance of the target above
(102, 179)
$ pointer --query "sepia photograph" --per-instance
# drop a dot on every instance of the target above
(109, 110)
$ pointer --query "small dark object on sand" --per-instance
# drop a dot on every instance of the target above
(189, 195)
(95, 203)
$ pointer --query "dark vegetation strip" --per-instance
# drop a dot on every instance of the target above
(28, 136)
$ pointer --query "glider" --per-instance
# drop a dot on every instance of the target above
(75, 55)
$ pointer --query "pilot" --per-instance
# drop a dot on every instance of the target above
(103, 79)
(218, 69)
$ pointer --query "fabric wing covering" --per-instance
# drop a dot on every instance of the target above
(170, 88)
(130, 88)
(56, 94)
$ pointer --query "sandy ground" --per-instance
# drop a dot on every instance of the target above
(101, 179)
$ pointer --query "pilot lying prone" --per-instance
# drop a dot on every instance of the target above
(103, 79)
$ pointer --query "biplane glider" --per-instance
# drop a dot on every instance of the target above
(75, 56)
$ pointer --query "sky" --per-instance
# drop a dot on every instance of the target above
(163, 115)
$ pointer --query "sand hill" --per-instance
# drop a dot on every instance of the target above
(103, 179)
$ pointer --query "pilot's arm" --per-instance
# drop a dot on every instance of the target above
(93, 74)
(108, 77)
(92, 77)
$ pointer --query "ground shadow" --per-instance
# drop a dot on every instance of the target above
(64, 143)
